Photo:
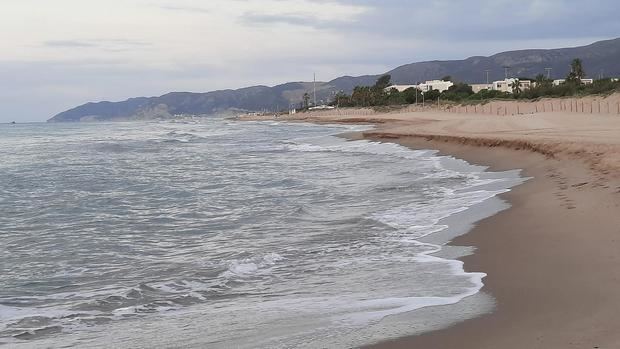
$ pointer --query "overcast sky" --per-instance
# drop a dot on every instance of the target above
(57, 54)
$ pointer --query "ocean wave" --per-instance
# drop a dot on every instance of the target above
(249, 267)
(181, 137)
(365, 147)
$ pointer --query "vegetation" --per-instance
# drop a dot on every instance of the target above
(379, 95)
(577, 73)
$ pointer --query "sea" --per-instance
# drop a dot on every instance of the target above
(216, 233)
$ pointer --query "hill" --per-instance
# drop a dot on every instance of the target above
(599, 58)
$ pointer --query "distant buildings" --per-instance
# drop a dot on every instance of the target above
(583, 81)
(322, 107)
(479, 87)
(508, 85)
(439, 85)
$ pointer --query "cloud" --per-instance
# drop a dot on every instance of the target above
(68, 43)
(191, 9)
(481, 20)
(109, 45)
(289, 19)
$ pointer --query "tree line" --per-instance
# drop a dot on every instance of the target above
(380, 95)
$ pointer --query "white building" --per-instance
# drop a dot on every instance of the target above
(583, 81)
(438, 85)
(479, 87)
(507, 85)
(322, 107)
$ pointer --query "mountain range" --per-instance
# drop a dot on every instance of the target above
(599, 59)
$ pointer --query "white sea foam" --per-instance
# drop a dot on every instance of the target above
(363, 146)
(251, 266)
(416, 221)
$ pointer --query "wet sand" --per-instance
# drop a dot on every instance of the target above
(553, 259)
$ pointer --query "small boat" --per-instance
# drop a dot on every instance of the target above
(13, 122)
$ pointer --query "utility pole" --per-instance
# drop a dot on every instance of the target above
(506, 68)
(487, 71)
(315, 89)
(548, 70)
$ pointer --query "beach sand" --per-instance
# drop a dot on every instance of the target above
(553, 259)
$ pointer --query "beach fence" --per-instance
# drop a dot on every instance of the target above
(343, 112)
(368, 111)
(585, 105)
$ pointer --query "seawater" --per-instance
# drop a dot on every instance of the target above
(218, 234)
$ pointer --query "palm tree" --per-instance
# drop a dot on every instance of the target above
(306, 99)
(516, 86)
(577, 68)
(576, 71)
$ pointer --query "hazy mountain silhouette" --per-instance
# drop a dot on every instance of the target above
(600, 58)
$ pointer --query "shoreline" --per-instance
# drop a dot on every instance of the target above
(525, 280)
(533, 309)
(517, 275)
(553, 259)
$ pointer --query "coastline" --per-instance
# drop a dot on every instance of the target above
(554, 284)
(552, 259)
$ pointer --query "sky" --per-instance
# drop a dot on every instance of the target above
(57, 54)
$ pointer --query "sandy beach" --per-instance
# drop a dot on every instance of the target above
(553, 259)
